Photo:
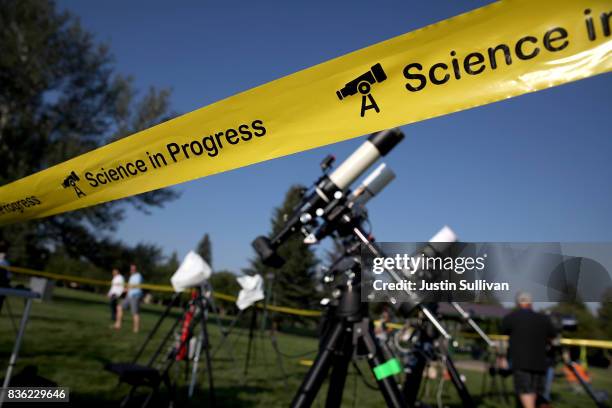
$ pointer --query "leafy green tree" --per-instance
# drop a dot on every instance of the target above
(59, 97)
(604, 314)
(225, 282)
(295, 281)
(163, 269)
(204, 249)
(61, 263)
(588, 327)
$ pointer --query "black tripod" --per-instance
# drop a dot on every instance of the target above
(425, 348)
(597, 400)
(348, 331)
(427, 343)
(253, 328)
(494, 378)
(155, 373)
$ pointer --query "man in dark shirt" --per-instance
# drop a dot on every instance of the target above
(529, 333)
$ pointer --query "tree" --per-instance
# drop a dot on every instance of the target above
(604, 314)
(295, 282)
(587, 322)
(204, 249)
(225, 282)
(163, 270)
(60, 263)
(60, 97)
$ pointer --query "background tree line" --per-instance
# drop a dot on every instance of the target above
(61, 96)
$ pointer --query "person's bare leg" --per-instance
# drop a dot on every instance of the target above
(528, 400)
(136, 322)
(119, 317)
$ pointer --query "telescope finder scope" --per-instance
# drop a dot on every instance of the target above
(373, 184)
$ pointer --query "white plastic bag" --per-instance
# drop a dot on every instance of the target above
(192, 273)
(251, 292)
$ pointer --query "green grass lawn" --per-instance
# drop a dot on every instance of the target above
(69, 340)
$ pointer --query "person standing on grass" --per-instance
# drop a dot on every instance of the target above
(132, 300)
(529, 333)
(115, 292)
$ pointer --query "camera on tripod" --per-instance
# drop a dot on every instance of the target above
(329, 187)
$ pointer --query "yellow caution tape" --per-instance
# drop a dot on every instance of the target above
(587, 343)
(564, 341)
(152, 287)
(281, 309)
(395, 326)
(80, 279)
(290, 310)
(496, 52)
(56, 276)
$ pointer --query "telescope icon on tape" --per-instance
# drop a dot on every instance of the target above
(71, 181)
(363, 84)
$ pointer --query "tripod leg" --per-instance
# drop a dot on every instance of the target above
(586, 386)
(279, 359)
(317, 372)
(339, 372)
(462, 390)
(128, 398)
(172, 302)
(264, 321)
(196, 361)
(13, 359)
(206, 345)
(215, 310)
(161, 345)
(229, 331)
(250, 343)
(414, 375)
(483, 382)
(171, 390)
(376, 358)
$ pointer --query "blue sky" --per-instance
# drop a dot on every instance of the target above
(532, 168)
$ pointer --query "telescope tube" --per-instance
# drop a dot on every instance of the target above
(339, 215)
(441, 242)
(373, 184)
(377, 145)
